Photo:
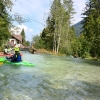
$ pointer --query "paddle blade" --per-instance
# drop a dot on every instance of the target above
(1, 63)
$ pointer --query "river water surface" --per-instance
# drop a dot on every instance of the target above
(52, 78)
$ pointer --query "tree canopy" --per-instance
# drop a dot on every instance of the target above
(56, 34)
(5, 20)
(91, 27)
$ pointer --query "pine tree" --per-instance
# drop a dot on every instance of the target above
(91, 27)
(23, 37)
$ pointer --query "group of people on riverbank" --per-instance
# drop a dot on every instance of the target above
(16, 57)
(9, 50)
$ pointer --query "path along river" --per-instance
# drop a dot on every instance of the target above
(52, 78)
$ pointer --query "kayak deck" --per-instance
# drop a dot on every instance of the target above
(25, 63)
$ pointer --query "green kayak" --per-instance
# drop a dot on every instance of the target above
(25, 63)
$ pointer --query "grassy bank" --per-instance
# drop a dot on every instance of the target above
(44, 51)
(93, 58)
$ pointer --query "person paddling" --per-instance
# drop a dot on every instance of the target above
(16, 57)
(75, 55)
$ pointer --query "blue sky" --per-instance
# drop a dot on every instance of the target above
(38, 10)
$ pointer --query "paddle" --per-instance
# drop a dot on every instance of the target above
(3, 62)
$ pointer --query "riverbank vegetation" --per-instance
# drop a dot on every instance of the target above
(59, 35)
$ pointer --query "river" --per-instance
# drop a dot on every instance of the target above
(52, 78)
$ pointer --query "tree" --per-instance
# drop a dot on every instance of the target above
(38, 42)
(27, 43)
(91, 26)
(58, 25)
(5, 21)
(47, 38)
(23, 37)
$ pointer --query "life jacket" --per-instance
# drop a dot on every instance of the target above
(19, 58)
(16, 58)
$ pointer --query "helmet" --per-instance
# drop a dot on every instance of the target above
(16, 49)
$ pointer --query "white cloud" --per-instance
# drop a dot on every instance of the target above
(79, 6)
(18, 29)
(30, 30)
(30, 6)
(23, 27)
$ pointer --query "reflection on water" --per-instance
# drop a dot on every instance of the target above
(53, 78)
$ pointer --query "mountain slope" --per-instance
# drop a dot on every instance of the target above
(78, 28)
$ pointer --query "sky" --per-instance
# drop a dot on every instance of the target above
(37, 11)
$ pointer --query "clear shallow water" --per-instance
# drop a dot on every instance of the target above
(52, 78)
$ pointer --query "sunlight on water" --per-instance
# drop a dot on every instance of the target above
(52, 78)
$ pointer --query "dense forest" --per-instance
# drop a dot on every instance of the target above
(59, 35)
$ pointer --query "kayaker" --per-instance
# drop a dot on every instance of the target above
(16, 46)
(75, 55)
(16, 57)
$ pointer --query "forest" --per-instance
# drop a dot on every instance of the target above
(59, 35)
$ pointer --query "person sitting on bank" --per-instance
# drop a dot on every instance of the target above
(10, 50)
(17, 45)
(16, 57)
(6, 50)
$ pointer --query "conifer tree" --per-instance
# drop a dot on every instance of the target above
(91, 27)
(23, 37)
